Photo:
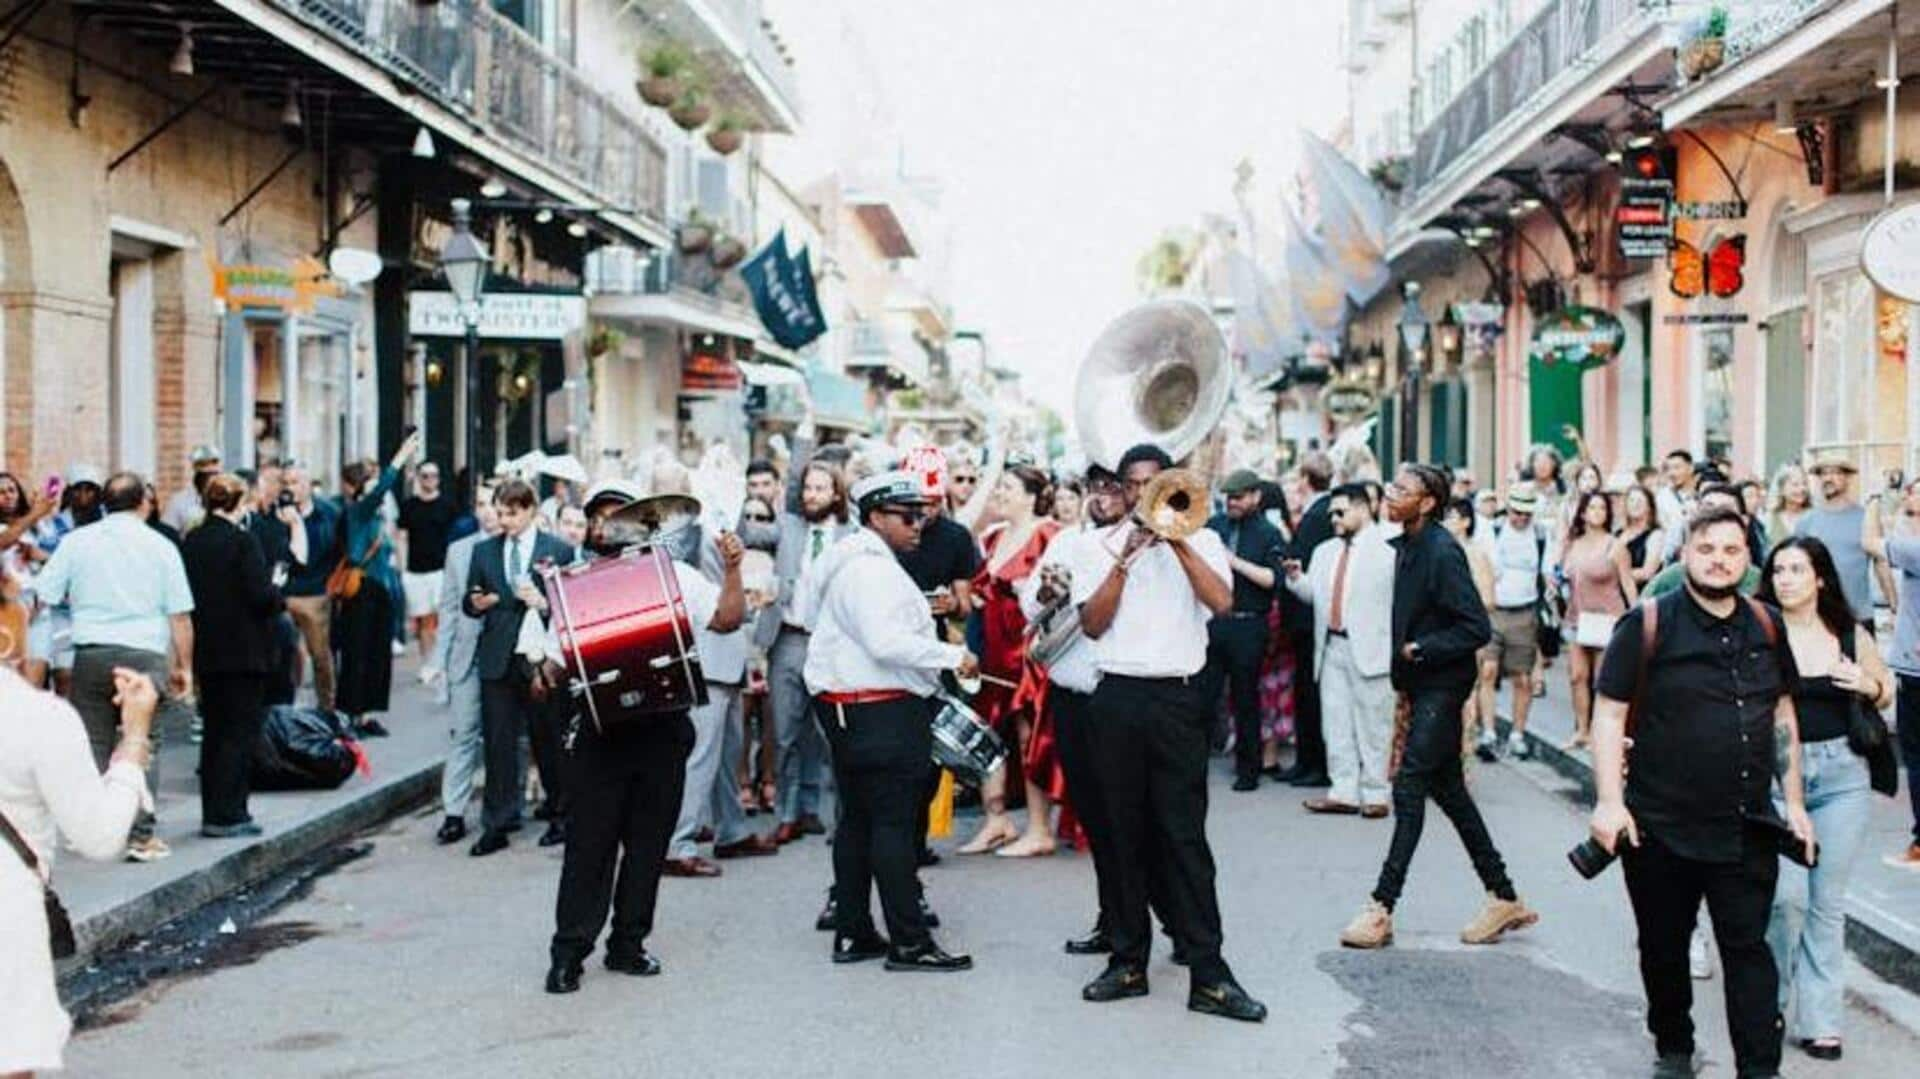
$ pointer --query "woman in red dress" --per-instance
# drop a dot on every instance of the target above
(1013, 549)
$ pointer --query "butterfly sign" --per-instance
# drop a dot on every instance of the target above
(1720, 270)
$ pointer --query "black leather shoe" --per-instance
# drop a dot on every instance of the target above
(563, 978)
(452, 830)
(1094, 943)
(1311, 779)
(489, 843)
(927, 958)
(1116, 983)
(1226, 999)
(859, 949)
(1821, 1051)
(927, 915)
(1674, 1066)
(555, 834)
(1246, 783)
(928, 859)
(643, 965)
(828, 914)
(1287, 774)
(811, 824)
(371, 728)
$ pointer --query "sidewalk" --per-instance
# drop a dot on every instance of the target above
(1883, 903)
(113, 902)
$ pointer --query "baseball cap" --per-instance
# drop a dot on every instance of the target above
(204, 454)
(80, 472)
(896, 488)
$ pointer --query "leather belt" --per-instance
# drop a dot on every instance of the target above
(1336, 633)
(865, 696)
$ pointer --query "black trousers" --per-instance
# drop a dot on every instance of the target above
(548, 722)
(232, 707)
(1430, 767)
(1150, 756)
(625, 789)
(503, 723)
(1310, 740)
(880, 753)
(1666, 890)
(1073, 736)
(1235, 646)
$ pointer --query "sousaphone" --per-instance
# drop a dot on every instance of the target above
(1159, 373)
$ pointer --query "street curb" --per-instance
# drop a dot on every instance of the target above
(1880, 946)
(253, 862)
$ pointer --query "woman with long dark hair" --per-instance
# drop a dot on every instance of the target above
(1840, 671)
(363, 622)
(1640, 532)
(1601, 574)
(1021, 503)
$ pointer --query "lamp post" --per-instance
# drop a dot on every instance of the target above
(464, 262)
(1414, 329)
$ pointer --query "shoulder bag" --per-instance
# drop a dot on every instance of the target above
(59, 926)
(1868, 736)
(344, 582)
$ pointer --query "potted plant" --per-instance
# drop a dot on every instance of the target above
(726, 253)
(695, 234)
(690, 111)
(1708, 48)
(726, 134)
(604, 339)
(1389, 173)
(664, 67)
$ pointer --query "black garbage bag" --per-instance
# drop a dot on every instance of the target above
(303, 749)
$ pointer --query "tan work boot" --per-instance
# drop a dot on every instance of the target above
(1371, 928)
(1496, 918)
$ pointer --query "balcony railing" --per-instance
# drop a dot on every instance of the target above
(873, 344)
(1758, 23)
(478, 64)
(742, 19)
(1565, 35)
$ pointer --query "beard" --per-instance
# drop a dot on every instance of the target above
(1712, 591)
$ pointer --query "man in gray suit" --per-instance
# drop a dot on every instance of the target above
(814, 518)
(450, 668)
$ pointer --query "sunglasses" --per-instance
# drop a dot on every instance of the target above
(964, 479)
(907, 515)
(758, 518)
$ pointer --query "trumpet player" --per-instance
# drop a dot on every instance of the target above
(1147, 614)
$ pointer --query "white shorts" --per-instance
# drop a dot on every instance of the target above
(423, 592)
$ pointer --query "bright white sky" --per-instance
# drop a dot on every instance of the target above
(1070, 133)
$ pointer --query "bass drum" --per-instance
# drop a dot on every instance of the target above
(625, 637)
(962, 744)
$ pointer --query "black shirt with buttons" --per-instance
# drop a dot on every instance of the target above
(1703, 753)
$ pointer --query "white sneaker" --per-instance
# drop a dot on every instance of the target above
(1517, 747)
(399, 649)
(1700, 957)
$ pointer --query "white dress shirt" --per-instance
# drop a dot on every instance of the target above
(1160, 630)
(1079, 553)
(872, 629)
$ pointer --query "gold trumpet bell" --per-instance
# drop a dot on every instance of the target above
(1174, 504)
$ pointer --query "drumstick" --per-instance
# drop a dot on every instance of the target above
(1001, 682)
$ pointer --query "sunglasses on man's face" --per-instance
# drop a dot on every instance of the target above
(758, 518)
(907, 515)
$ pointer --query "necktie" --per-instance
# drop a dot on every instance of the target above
(1335, 620)
(513, 561)
(819, 542)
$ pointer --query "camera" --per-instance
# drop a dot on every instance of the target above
(1590, 859)
(285, 500)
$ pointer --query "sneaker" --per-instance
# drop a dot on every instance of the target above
(1906, 859)
(399, 649)
(1517, 747)
(1496, 919)
(150, 849)
(1488, 748)
(1371, 928)
(1700, 957)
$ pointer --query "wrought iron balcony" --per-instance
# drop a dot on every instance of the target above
(476, 63)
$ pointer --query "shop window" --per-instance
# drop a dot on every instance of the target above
(1716, 392)
(1843, 359)
(269, 394)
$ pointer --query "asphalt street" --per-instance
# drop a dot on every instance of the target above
(418, 960)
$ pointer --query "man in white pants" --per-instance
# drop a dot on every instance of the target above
(1350, 584)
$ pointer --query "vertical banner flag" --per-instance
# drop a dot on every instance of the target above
(1319, 294)
(783, 294)
(1353, 219)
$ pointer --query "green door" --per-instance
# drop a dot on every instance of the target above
(1555, 393)
(1786, 380)
(1447, 428)
(1385, 446)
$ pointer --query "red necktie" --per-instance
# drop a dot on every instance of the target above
(1334, 620)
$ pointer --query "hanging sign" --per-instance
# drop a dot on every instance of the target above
(1348, 400)
(1585, 336)
(1643, 222)
(1720, 270)
(1730, 210)
(294, 287)
(1890, 253)
(524, 316)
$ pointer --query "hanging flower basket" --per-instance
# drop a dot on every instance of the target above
(663, 71)
(660, 91)
(1702, 55)
(695, 238)
(725, 140)
(691, 112)
(727, 253)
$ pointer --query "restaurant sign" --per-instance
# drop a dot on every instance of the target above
(1586, 336)
(1643, 222)
(1890, 253)
(1347, 400)
(523, 316)
(294, 287)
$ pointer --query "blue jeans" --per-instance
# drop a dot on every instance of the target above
(1808, 929)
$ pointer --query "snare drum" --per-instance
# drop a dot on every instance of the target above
(625, 637)
(963, 744)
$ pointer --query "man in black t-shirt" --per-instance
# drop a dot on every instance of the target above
(1693, 819)
(427, 518)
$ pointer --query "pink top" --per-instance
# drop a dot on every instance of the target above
(1595, 579)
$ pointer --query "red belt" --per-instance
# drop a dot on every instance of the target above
(865, 696)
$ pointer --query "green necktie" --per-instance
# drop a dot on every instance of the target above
(513, 561)
(819, 541)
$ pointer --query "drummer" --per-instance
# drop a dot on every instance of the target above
(627, 782)
(873, 662)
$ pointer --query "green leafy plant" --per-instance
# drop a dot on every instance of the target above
(1716, 24)
(666, 60)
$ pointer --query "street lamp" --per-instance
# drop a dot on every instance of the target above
(465, 262)
(1414, 329)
